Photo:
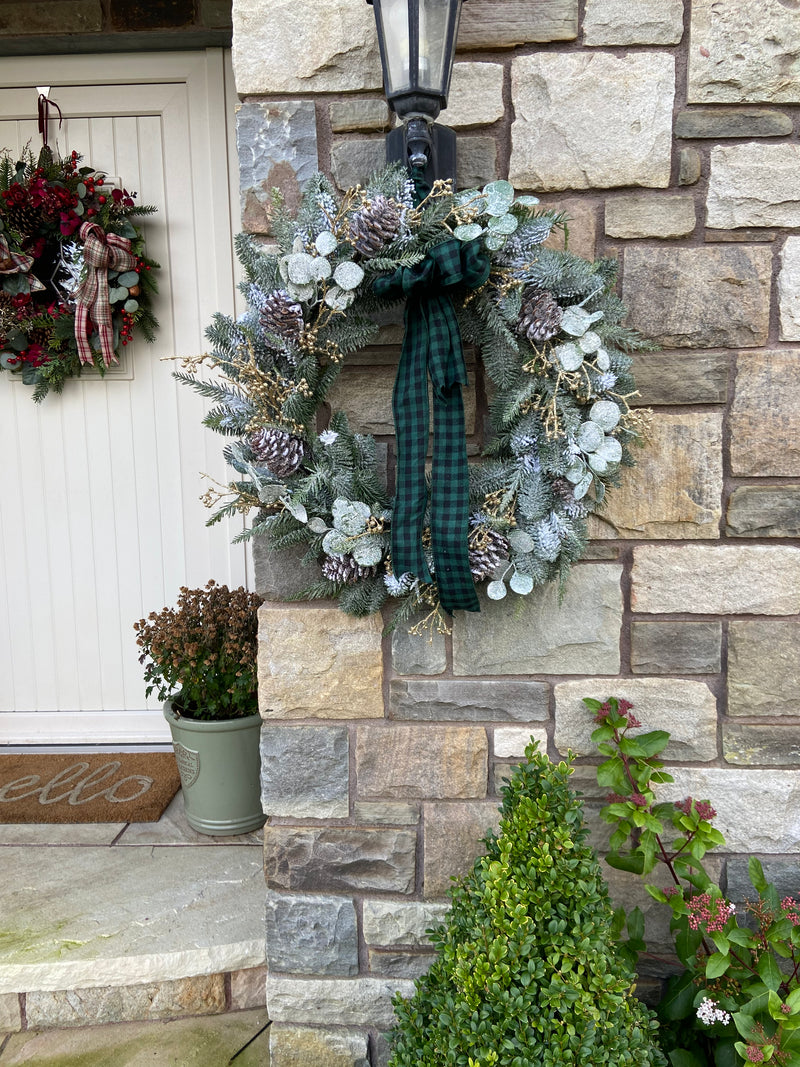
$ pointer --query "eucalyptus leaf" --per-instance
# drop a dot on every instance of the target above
(301, 268)
(301, 293)
(503, 224)
(576, 471)
(338, 299)
(468, 232)
(131, 305)
(602, 360)
(605, 414)
(348, 275)
(500, 197)
(129, 278)
(521, 541)
(368, 551)
(322, 268)
(583, 486)
(494, 241)
(317, 525)
(569, 356)
(576, 321)
(350, 516)
(326, 243)
(527, 201)
(590, 342)
(610, 449)
(589, 436)
(271, 493)
(119, 292)
(521, 583)
(496, 590)
(295, 509)
(597, 463)
(6, 360)
(335, 543)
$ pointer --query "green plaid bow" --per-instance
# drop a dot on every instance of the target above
(432, 346)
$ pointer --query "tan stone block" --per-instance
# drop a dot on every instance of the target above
(581, 237)
(510, 741)
(675, 489)
(506, 23)
(722, 71)
(453, 835)
(421, 761)
(763, 667)
(716, 580)
(765, 418)
(686, 709)
(476, 96)
(620, 22)
(634, 216)
(357, 1002)
(297, 1046)
(204, 995)
(789, 290)
(716, 297)
(567, 136)
(754, 184)
(286, 51)
(356, 113)
(319, 663)
(10, 1015)
(249, 988)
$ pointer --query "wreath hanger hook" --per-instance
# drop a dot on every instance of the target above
(43, 106)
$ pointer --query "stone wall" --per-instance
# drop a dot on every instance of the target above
(674, 148)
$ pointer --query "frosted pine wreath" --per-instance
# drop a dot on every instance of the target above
(549, 329)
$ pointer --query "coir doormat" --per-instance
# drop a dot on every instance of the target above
(84, 787)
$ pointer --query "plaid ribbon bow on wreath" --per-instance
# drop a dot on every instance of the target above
(432, 347)
(101, 251)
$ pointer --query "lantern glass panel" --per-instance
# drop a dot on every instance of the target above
(435, 17)
(394, 16)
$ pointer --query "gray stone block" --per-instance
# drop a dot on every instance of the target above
(766, 744)
(676, 647)
(305, 771)
(311, 935)
(768, 511)
(400, 964)
(763, 667)
(681, 377)
(358, 113)
(714, 123)
(453, 840)
(715, 297)
(783, 873)
(415, 654)
(280, 575)
(356, 1002)
(277, 147)
(518, 701)
(639, 215)
(477, 161)
(506, 23)
(538, 634)
(765, 415)
(352, 162)
(690, 166)
(320, 859)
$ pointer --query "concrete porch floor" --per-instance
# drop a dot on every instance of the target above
(134, 924)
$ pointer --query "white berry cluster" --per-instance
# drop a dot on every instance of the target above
(709, 1013)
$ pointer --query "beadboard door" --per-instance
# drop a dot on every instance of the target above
(100, 517)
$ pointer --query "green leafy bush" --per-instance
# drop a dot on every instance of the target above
(738, 998)
(526, 971)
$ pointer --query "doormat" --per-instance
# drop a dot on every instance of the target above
(86, 787)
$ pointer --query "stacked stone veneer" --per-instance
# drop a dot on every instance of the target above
(673, 146)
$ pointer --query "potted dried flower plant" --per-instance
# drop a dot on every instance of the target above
(200, 658)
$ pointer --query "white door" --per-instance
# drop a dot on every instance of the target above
(100, 517)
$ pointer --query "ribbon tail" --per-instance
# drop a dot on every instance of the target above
(82, 333)
(106, 335)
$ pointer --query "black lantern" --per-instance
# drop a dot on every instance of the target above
(417, 40)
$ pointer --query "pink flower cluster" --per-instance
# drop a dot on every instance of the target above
(712, 914)
(623, 708)
(702, 808)
(792, 909)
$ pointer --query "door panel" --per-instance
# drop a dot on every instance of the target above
(101, 520)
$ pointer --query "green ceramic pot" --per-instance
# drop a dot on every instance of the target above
(220, 769)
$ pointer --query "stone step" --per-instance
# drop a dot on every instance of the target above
(183, 1043)
(148, 921)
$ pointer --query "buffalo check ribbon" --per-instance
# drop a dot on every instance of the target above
(101, 252)
(432, 348)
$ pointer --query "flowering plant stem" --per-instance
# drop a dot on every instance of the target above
(739, 980)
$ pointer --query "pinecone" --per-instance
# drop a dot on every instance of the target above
(487, 550)
(345, 570)
(541, 316)
(282, 452)
(565, 492)
(282, 316)
(375, 225)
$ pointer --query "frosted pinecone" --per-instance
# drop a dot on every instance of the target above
(375, 225)
(487, 550)
(282, 452)
(605, 382)
(398, 586)
(565, 492)
(345, 570)
(540, 318)
(282, 316)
